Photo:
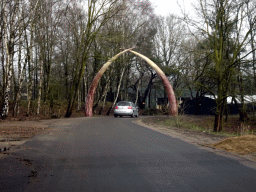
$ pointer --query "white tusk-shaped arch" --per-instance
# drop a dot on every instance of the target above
(173, 110)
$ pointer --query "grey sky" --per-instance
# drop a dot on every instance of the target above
(164, 7)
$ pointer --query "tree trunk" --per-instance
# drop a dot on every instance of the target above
(104, 95)
(104, 100)
(29, 88)
(252, 41)
(105, 91)
(117, 94)
(40, 86)
(74, 89)
(78, 100)
(20, 78)
(253, 60)
(17, 98)
(226, 111)
(218, 123)
(3, 68)
(147, 91)
(30, 60)
(137, 93)
(9, 64)
(66, 76)
(85, 86)
(5, 106)
(149, 97)
(72, 99)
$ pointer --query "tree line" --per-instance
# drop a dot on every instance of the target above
(51, 50)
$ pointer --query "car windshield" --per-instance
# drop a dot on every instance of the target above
(123, 103)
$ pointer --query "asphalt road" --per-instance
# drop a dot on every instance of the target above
(115, 155)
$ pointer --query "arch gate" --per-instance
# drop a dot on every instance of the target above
(173, 110)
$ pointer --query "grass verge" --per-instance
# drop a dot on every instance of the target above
(231, 128)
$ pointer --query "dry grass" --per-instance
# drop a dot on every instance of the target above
(241, 145)
(233, 127)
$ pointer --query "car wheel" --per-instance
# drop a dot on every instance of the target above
(121, 116)
(115, 115)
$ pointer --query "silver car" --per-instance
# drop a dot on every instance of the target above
(126, 108)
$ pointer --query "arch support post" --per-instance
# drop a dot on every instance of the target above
(90, 95)
(173, 109)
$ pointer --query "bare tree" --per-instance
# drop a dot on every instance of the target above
(9, 37)
(99, 13)
(226, 35)
(250, 10)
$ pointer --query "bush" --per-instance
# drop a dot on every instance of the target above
(151, 111)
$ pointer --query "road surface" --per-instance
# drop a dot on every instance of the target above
(108, 154)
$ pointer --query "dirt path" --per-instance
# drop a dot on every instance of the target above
(218, 144)
(14, 133)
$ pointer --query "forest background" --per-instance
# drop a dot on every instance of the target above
(50, 52)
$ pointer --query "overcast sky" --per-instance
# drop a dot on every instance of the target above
(164, 7)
